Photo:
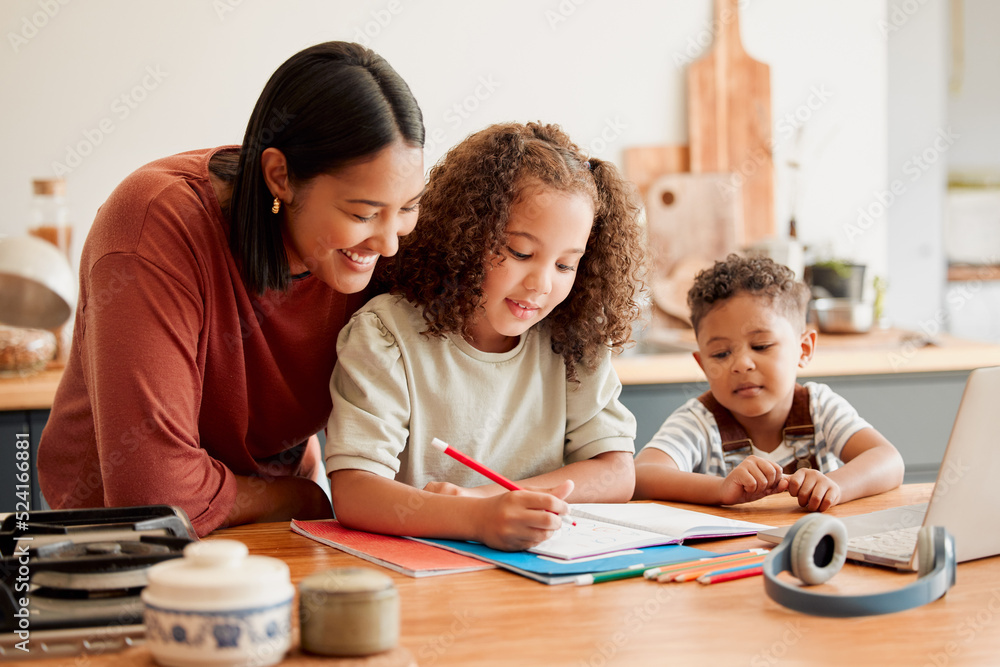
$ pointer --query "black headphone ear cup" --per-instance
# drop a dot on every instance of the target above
(925, 551)
(818, 549)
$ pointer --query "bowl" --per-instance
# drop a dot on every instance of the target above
(218, 606)
(37, 287)
(836, 315)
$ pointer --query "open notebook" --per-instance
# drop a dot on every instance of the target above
(605, 528)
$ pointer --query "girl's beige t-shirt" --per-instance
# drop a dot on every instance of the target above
(395, 389)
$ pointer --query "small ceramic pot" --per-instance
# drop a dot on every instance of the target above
(218, 606)
(351, 611)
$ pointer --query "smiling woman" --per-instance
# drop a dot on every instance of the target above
(213, 286)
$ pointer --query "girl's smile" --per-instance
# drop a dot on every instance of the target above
(547, 236)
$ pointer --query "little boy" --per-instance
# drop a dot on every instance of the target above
(756, 431)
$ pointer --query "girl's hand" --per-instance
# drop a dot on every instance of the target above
(754, 478)
(815, 491)
(449, 489)
(517, 520)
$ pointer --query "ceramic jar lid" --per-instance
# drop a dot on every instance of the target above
(218, 574)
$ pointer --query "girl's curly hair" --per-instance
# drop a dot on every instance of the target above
(441, 266)
(754, 275)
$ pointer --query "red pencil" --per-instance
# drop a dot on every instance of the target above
(730, 576)
(479, 467)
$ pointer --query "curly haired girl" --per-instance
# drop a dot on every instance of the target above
(496, 335)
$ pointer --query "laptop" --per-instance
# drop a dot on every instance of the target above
(964, 500)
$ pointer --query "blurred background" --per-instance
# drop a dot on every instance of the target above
(884, 144)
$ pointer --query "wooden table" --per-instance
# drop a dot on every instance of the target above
(495, 617)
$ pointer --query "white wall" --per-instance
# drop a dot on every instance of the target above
(974, 106)
(973, 308)
(127, 81)
(920, 142)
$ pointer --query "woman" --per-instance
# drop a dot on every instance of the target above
(213, 285)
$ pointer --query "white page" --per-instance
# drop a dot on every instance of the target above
(666, 520)
(589, 538)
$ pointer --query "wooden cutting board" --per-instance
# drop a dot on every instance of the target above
(644, 164)
(691, 221)
(729, 120)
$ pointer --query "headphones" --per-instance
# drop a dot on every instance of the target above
(815, 549)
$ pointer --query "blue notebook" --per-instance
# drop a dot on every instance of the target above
(554, 571)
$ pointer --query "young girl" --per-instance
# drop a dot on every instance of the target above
(496, 337)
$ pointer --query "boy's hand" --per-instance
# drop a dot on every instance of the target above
(815, 491)
(753, 479)
(517, 520)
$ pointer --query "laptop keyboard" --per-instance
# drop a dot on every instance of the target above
(894, 544)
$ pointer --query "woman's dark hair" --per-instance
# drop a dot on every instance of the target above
(462, 226)
(326, 107)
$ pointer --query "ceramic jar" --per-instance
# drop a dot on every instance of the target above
(218, 606)
(351, 611)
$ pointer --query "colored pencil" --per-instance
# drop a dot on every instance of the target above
(736, 567)
(483, 470)
(708, 566)
(691, 575)
(742, 573)
(653, 573)
(614, 575)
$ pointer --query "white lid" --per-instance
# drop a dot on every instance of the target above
(218, 575)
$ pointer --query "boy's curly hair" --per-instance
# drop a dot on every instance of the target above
(756, 275)
(461, 226)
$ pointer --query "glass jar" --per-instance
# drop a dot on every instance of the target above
(51, 221)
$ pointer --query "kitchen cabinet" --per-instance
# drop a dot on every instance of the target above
(24, 409)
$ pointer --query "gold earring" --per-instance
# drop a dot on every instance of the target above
(277, 206)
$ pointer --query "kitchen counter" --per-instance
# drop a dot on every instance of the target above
(31, 392)
(887, 351)
(884, 351)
